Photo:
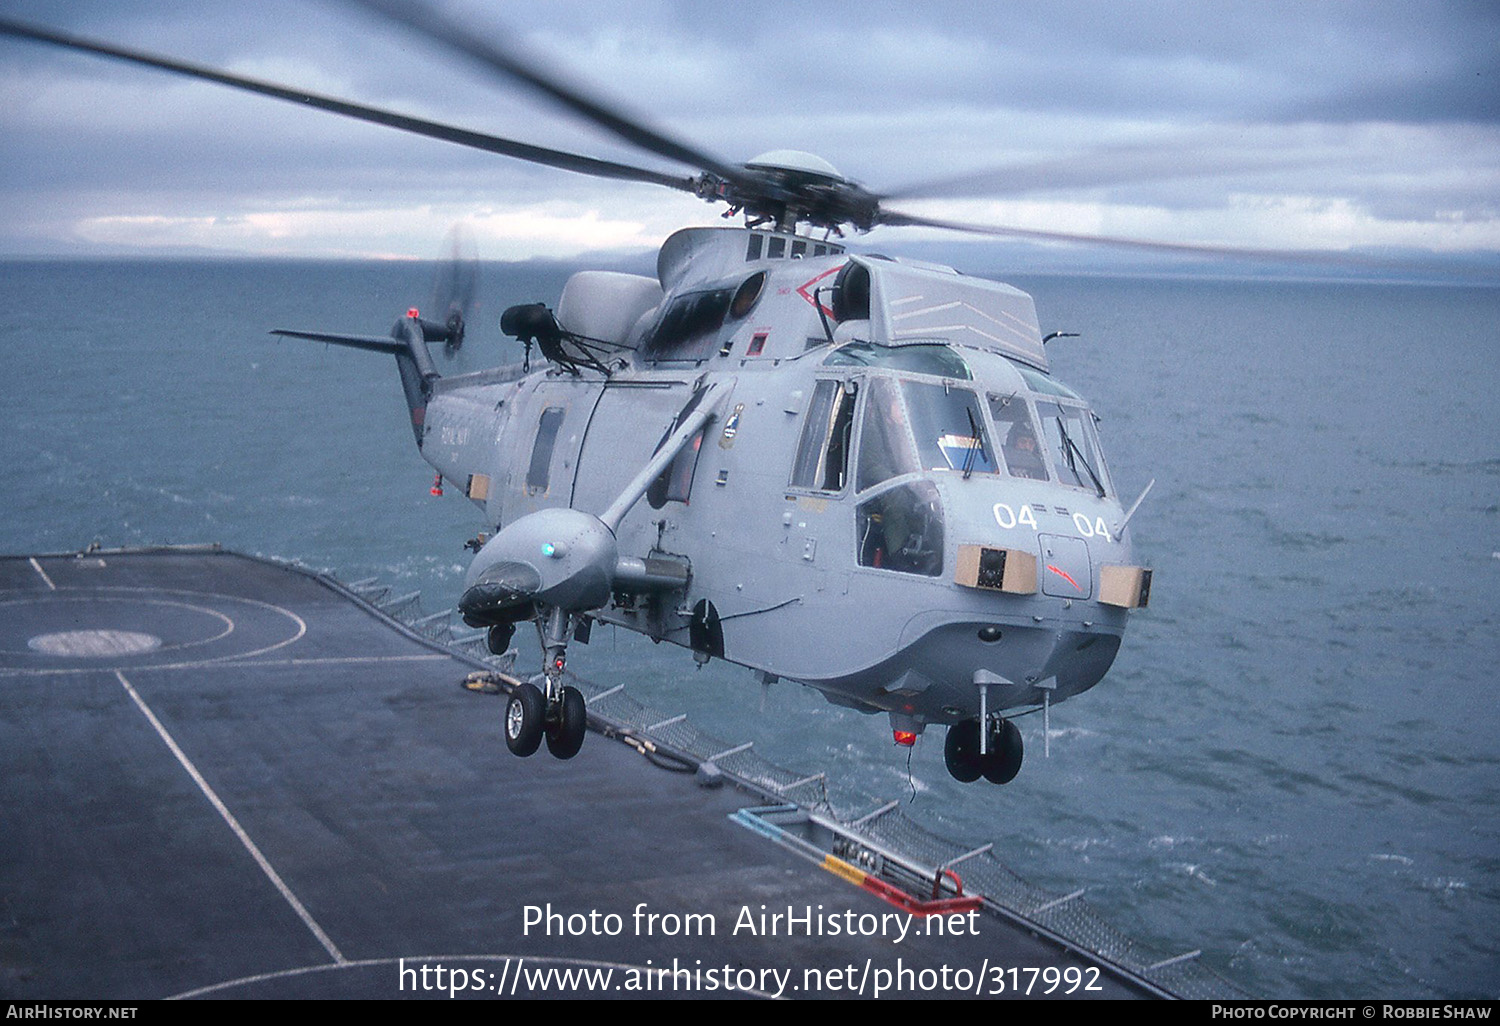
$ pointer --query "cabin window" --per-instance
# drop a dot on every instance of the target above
(799, 249)
(823, 454)
(1020, 441)
(752, 249)
(776, 247)
(539, 473)
(1071, 446)
(902, 530)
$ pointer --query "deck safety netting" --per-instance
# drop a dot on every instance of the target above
(1068, 917)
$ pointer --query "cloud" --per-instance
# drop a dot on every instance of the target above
(1264, 123)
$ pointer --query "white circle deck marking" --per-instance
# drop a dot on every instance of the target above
(135, 598)
(95, 644)
(219, 625)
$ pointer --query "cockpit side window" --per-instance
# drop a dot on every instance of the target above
(1071, 446)
(901, 529)
(1020, 441)
(823, 454)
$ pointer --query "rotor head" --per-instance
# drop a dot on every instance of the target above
(792, 187)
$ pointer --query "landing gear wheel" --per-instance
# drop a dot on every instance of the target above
(498, 638)
(1003, 761)
(565, 732)
(525, 716)
(961, 751)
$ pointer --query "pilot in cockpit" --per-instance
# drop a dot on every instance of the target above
(1022, 456)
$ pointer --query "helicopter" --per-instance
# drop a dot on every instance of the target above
(851, 471)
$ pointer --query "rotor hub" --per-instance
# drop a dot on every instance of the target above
(792, 187)
(798, 162)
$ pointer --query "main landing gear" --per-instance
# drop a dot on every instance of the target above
(998, 763)
(556, 714)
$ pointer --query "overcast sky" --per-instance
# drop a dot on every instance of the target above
(1344, 125)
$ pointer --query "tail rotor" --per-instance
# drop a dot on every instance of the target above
(454, 288)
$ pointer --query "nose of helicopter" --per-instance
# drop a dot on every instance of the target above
(1039, 594)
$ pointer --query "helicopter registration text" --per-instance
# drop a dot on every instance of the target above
(1007, 517)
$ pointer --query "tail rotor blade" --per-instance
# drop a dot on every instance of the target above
(455, 287)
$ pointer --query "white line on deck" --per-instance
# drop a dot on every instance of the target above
(231, 661)
(38, 568)
(239, 831)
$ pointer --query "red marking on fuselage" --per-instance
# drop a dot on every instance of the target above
(805, 289)
(1063, 574)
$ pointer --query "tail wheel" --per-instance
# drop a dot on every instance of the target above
(961, 751)
(525, 716)
(565, 733)
(1006, 751)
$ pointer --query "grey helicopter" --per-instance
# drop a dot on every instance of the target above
(851, 471)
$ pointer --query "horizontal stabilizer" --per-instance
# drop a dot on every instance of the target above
(374, 343)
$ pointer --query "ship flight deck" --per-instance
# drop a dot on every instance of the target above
(224, 776)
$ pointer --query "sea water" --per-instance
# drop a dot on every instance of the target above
(1293, 765)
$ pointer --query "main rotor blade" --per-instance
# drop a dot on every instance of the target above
(896, 218)
(418, 126)
(1193, 157)
(422, 18)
